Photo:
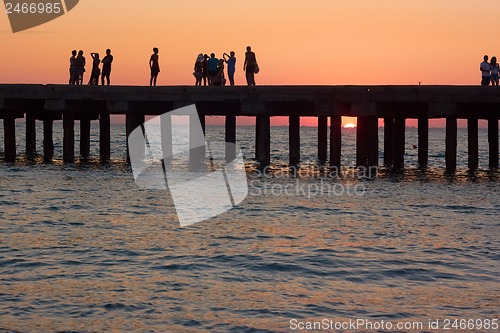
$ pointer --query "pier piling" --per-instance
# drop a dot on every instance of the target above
(493, 142)
(294, 140)
(388, 141)
(472, 143)
(104, 137)
(451, 145)
(335, 140)
(9, 128)
(197, 151)
(322, 139)
(166, 137)
(133, 121)
(230, 137)
(423, 142)
(30, 134)
(263, 141)
(48, 143)
(85, 138)
(69, 137)
(399, 143)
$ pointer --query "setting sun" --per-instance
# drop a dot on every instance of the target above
(349, 125)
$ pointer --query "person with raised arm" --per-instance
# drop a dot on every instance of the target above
(231, 66)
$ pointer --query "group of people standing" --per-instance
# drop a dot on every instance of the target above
(207, 69)
(77, 68)
(211, 70)
(489, 71)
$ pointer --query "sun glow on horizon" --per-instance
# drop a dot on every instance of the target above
(349, 125)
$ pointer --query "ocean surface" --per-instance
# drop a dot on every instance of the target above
(83, 249)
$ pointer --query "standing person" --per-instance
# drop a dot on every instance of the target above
(218, 78)
(485, 71)
(205, 69)
(96, 72)
(250, 66)
(72, 61)
(79, 67)
(198, 69)
(494, 71)
(154, 66)
(231, 66)
(213, 66)
(106, 66)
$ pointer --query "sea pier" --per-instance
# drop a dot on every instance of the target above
(393, 104)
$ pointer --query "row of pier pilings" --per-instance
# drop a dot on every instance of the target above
(367, 139)
(48, 118)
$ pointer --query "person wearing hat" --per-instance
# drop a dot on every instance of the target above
(198, 69)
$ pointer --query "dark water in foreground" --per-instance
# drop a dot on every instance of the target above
(83, 249)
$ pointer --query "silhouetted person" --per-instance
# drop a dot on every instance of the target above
(218, 78)
(155, 67)
(205, 69)
(212, 65)
(494, 71)
(72, 61)
(231, 66)
(198, 69)
(96, 72)
(106, 66)
(79, 67)
(249, 66)
(485, 72)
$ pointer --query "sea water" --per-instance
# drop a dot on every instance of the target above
(83, 249)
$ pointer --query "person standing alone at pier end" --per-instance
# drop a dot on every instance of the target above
(154, 66)
(249, 66)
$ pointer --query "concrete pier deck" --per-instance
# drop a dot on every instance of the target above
(394, 104)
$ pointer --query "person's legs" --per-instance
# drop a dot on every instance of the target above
(251, 78)
(231, 78)
(104, 75)
(494, 80)
(247, 75)
(485, 81)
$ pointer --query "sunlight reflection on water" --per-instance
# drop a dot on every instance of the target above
(83, 249)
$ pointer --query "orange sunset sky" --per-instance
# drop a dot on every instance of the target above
(314, 42)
